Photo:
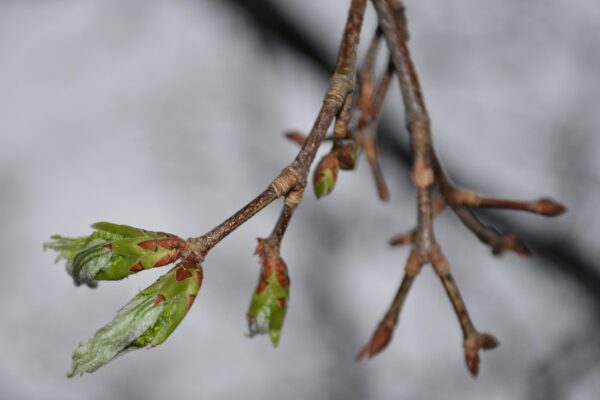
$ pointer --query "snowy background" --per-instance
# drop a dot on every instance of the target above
(168, 115)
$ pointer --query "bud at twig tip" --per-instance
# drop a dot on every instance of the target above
(549, 207)
(379, 341)
(488, 342)
(472, 360)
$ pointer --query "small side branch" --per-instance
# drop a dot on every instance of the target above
(428, 174)
(292, 200)
(473, 341)
(383, 334)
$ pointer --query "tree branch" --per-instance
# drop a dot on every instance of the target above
(340, 87)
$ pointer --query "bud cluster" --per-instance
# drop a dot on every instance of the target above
(114, 252)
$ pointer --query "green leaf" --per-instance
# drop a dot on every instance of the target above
(146, 321)
(120, 231)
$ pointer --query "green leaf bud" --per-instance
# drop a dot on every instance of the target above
(146, 321)
(325, 175)
(114, 252)
(270, 299)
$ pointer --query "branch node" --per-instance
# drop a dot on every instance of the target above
(294, 197)
(422, 174)
(286, 181)
(339, 88)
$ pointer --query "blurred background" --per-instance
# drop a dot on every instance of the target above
(169, 115)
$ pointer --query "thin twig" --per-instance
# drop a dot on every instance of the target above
(382, 88)
(473, 341)
(340, 87)
(370, 101)
(393, 24)
(383, 334)
(498, 242)
(292, 200)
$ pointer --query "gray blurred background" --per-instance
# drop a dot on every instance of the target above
(168, 115)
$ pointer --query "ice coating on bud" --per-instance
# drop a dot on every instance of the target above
(348, 156)
(326, 175)
(270, 299)
(114, 252)
(146, 321)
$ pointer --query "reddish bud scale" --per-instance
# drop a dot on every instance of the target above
(549, 207)
(347, 155)
(487, 341)
(262, 285)
(272, 266)
(474, 343)
(169, 243)
(182, 274)
(379, 341)
(174, 243)
(149, 245)
(472, 360)
(330, 161)
(136, 267)
(191, 299)
(191, 263)
(159, 299)
(260, 246)
(275, 266)
(199, 276)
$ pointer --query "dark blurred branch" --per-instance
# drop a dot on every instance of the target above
(269, 19)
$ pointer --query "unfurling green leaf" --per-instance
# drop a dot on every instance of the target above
(326, 175)
(114, 251)
(146, 321)
(270, 299)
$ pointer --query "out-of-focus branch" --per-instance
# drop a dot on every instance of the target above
(427, 174)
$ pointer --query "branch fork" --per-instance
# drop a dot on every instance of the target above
(116, 251)
(428, 174)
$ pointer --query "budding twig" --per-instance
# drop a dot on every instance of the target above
(427, 173)
(498, 242)
(340, 87)
(383, 334)
(116, 251)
